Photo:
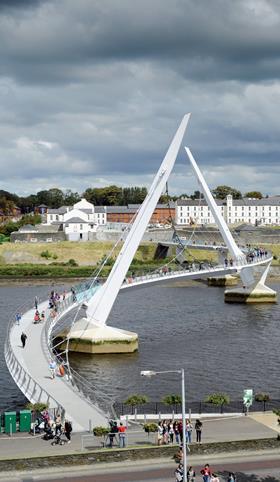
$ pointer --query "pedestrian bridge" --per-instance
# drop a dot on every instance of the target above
(71, 394)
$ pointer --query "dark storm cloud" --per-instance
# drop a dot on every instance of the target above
(92, 91)
(201, 40)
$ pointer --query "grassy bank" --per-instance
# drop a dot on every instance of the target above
(52, 260)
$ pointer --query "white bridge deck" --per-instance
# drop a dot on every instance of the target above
(29, 367)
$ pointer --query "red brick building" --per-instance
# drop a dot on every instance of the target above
(124, 214)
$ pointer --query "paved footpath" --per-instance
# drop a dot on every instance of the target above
(35, 361)
(214, 430)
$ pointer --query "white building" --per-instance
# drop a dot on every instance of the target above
(264, 211)
(79, 220)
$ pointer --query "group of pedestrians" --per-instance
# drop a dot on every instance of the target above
(117, 430)
(207, 475)
(172, 431)
(56, 426)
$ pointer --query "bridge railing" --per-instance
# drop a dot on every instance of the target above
(236, 264)
(57, 352)
(33, 391)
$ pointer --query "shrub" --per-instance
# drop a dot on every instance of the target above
(218, 399)
(172, 400)
(100, 431)
(135, 400)
(46, 254)
(150, 427)
(72, 262)
(262, 397)
(37, 407)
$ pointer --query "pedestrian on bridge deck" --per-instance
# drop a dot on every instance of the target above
(23, 338)
(18, 317)
(36, 301)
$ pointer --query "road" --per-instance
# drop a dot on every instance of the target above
(249, 468)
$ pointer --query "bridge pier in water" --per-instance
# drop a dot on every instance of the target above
(227, 280)
(256, 293)
(88, 337)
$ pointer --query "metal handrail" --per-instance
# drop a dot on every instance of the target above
(15, 367)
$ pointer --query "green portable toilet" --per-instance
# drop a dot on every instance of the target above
(25, 421)
(10, 422)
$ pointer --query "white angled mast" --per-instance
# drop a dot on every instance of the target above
(100, 305)
(235, 252)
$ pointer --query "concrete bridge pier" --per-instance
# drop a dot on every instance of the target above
(255, 293)
(227, 280)
(88, 337)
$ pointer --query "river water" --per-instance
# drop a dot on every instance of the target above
(223, 347)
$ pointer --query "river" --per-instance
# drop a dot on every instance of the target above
(223, 347)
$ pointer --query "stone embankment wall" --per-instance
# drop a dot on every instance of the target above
(117, 455)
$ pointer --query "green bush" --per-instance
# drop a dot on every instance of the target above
(46, 254)
(100, 431)
(72, 262)
(172, 400)
(262, 397)
(135, 400)
(37, 407)
(150, 427)
(218, 399)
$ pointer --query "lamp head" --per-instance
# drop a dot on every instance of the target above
(147, 373)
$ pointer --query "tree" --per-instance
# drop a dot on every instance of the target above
(262, 397)
(135, 400)
(172, 400)
(197, 195)
(221, 192)
(219, 399)
(71, 198)
(276, 412)
(254, 194)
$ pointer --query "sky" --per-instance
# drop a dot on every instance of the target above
(92, 92)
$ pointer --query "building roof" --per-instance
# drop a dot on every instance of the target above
(100, 209)
(29, 228)
(61, 210)
(270, 201)
(76, 220)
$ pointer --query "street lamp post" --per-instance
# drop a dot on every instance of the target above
(151, 373)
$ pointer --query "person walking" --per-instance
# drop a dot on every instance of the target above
(214, 478)
(171, 431)
(231, 477)
(160, 433)
(198, 429)
(179, 473)
(52, 367)
(177, 433)
(18, 318)
(23, 338)
(189, 428)
(206, 473)
(58, 425)
(191, 474)
(36, 301)
(122, 436)
(68, 430)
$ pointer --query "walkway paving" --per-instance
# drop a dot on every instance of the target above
(34, 360)
(214, 430)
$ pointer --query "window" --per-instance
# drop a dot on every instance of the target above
(81, 227)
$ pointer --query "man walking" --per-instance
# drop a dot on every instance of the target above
(23, 338)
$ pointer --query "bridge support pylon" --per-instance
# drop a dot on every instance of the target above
(88, 337)
(255, 293)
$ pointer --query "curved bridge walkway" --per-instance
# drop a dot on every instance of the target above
(29, 366)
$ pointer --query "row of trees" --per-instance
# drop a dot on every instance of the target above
(173, 400)
(101, 196)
